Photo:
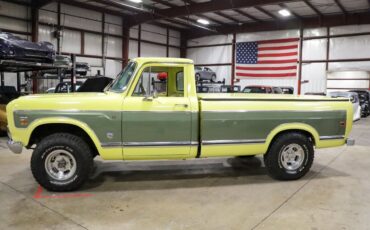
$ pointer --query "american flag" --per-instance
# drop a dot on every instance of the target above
(273, 58)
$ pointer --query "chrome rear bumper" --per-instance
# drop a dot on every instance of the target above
(15, 147)
(350, 142)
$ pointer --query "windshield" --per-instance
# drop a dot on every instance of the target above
(123, 78)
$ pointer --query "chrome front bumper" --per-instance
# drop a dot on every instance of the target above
(15, 147)
(350, 142)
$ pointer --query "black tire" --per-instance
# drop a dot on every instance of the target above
(291, 141)
(213, 78)
(66, 144)
(197, 77)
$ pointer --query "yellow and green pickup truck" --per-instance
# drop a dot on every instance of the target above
(151, 111)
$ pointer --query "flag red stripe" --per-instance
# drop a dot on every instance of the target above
(266, 68)
(278, 61)
(279, 41)
(278, 48)
(266, 75)
(278, 54)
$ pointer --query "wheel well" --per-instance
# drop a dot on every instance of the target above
(45, 130)
(304, 132)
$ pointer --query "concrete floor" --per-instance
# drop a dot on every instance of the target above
(196, 194)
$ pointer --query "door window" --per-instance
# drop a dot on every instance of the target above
(160, 81)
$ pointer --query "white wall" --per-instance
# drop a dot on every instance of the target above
(314, 73)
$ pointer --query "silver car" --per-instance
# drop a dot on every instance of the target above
(354, 99)
(205, 73)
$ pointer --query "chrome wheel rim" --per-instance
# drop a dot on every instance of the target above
(60, 165)
(292, 157)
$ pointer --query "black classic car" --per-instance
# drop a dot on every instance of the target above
(16, 48)
(364, 97)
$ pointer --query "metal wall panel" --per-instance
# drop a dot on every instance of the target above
(211, 40)
(245, 37)
(350, 47)
(133, 48)
(349, 29)
(335, 80)
(153, 33)
(340, 66)
(175, 37)
(113, 29)
(134, 32)
(71, 41)
(9, 9)
(48, 13)
(46, 34)
(150, 50)
(48, 17)
(112, 68)
(113, 46)
(113, 19)
(315, 32)
(93, 44)
(315, 73)
(77, 22)
(76, 11)
(210, 55)
(14, 24)
(314, 49)
(174, 52)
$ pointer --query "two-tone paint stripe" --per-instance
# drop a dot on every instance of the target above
(204, 142)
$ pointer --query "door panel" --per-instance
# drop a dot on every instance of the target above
(156, 129)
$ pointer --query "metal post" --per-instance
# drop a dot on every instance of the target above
(18, 82)
(300, 59)
(233, 60)
(183, 45)
(2, 79)
(139, 42)
(327, 48)
(103, 48)
(73, 72)
(125, 43)
(59, 28)
(168, 43)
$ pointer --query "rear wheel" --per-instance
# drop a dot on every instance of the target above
(290, 156)
(62, 162)
(213, 78)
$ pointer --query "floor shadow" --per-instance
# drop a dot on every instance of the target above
(154, 175)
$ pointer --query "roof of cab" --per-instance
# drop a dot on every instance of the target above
(162, 59)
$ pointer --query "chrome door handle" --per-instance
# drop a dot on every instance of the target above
(183, 105)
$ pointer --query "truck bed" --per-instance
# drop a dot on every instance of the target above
(245, 123)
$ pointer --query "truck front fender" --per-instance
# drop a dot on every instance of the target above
(60, 120)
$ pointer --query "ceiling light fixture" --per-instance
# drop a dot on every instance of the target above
(136, 1)
(285, 12)
(203, 21)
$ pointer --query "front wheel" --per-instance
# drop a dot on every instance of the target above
(290, 156)
(61, 162)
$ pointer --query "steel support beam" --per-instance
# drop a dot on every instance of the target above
(204, 7)
(327, 21)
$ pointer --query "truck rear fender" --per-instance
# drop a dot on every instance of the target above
(293, 127)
